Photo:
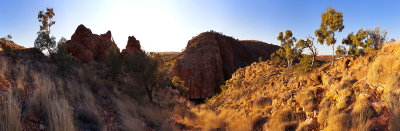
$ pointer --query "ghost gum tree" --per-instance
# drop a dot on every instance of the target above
(309, 44)
(287, 41)
(332, 21)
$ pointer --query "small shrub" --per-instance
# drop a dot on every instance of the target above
(62, 58)
(304, 65)
(180, 85)
(114, 62)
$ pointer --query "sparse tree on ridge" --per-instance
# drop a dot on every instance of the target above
(378, 37)
(46, 19)
(332, 21)
(309, 44)
(9, 37)
(358, 43)
(287, 42)
(44, 41)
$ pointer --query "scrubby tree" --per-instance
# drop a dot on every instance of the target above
(341, 51)
(278, 57)
(114, 61)
(9, 37)
(44, 41)
(309, 44)
(358, 43)
(62, 58)
(180, 85)
(287, 42)
(332, 21)
(145, 69)
(46, 18)
(378, 37)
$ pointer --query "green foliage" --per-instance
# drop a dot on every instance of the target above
(332, 21)
(62, 58)
(46, 19)
(180, 85)
(341, 51)
(304, 65)
(378, 37)
(287, 41)
(145, 69)
(365, 41)
(43, 40)
(358, 43)
(114, 62)
(309, 44)
(278, 57)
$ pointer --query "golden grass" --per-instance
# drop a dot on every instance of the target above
(11, 113)
(60, 116)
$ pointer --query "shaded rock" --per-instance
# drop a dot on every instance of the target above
(210, 58)
(132, 46)
(87, 46)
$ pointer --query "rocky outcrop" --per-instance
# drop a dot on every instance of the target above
(87, 46)
(132, 46)
(210, 58)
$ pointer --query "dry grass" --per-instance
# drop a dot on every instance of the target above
(3, 67)
(10, 114)
(60, 116)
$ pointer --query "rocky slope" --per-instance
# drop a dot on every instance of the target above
(357, 93)
(210, 58)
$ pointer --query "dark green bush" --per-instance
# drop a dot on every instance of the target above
(62, 58)
(114, 62)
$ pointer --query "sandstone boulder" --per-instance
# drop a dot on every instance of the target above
(132, 46)
(87, 46)
(210, 58)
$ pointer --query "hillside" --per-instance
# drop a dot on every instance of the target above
(360, 93)
(210, 58)
(35, 94)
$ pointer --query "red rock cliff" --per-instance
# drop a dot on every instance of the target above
(210, 58)
(88, 47)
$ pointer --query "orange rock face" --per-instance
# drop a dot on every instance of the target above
(210, 58)
(132, 46)
(88, 47)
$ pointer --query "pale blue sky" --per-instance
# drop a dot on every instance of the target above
(163, 25)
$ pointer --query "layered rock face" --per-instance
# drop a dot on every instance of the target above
(210, 58)
(132, 46)
(87, 46)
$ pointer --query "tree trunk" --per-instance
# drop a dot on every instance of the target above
(333, 53)
(312, 61)
(149, 94)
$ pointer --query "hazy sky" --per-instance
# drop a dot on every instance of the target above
(167, 25)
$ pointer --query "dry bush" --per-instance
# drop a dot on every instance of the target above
(391, 95)
(206, 119)
(339, 122)
(263, 101)
(10, 113)
(60, 115)
(128, 115)
(3, 68)
(87, 113)
(21, 76)
(361, 113)
(324, 108)
(285, 119)
(307, 99)
(40, 99)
